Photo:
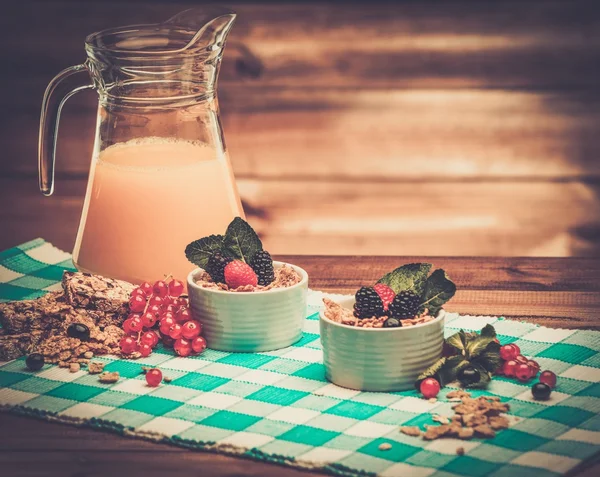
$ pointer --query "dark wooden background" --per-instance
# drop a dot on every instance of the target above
(426, 128)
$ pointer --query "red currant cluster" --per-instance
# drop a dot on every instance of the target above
(516, 365)
(161, 306)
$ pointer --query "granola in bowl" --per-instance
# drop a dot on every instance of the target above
(407, 296)
(336, 312)
(284, 277)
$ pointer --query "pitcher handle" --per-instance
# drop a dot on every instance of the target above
(64, 85)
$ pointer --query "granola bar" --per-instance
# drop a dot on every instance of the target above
(93, 292)
(15, 346)
(30, 315)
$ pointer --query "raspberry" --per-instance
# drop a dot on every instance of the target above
(262, 264)
(385, 293)
(405, 305)
(239, 274)
(368, 303)
(216, 267)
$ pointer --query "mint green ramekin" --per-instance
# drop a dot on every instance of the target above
(253, 321)
(379, 359)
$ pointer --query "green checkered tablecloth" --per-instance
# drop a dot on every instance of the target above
(278, 407)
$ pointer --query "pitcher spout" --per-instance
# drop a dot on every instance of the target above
(212, 26)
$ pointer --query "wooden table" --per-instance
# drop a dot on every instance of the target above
(551, 292)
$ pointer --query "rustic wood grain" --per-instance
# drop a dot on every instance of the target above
(554, 292)
(327, 217)
(391, 135)
(429, 92)
(549, 44)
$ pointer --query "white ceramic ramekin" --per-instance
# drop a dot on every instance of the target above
(253, 321)
(379, 359)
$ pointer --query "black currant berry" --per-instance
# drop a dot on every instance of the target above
(468, 375)
(541, 391)
(34, 362)
(79, 331)
(392, 323)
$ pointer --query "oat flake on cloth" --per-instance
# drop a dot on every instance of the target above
(278, 407)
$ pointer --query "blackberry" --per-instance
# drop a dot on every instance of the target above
(368, 303)
(216, 267)
(405, 305)
(262, 264)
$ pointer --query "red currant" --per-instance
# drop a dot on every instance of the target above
(128, 345)
(148, 320)
(146, 288)
(137, 304)
(184, 315)
(549, 378)
(191, 329)
(430, 388)
(150, 338)
(175, 331)
(181, 301)
(127, 326)
(145, 349)
(156, 310)
(508, 369)
(154, 377)
(508, 352)
(168, 314)
(198, 344)
(156, 300)
(160, 289)
(183, 347)
(167, 341)
(521, 359)
(448, 350)
(522, 372)
(176, 287)
(170, 308)
(138, 291)
(165, 325)
(534, 367)
(136, 324)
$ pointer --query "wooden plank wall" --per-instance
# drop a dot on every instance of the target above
(423, 128)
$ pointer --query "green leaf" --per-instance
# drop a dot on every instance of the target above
(457, 341)
(453, 364)
(433, 370)
(444, 369)
(411, 276)
(478, 345)
(490, 360)
(199, 251)
(488, 330)
(241, 241)
(438, 290)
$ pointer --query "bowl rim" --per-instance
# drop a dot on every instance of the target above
(359, 329)
(303, 275)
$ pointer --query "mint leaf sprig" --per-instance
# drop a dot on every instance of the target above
(433, 290)
(240, 242)
(478, 350)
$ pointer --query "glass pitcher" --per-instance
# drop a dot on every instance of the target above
(160, 175)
